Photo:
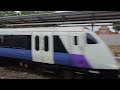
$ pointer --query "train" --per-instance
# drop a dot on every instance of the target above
(67, 50)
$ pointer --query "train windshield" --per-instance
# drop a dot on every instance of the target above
(91, 39)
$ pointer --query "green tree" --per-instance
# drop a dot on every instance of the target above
(116, 27)
(7, 13)
(39, 12)
(27, 12)
(33, 12)
(13, 13)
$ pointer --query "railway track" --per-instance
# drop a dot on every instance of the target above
(14, 71)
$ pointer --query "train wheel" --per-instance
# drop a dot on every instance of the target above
(26, 65)
(21, 64)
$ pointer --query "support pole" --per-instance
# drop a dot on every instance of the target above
(92, 26)
(92, 19)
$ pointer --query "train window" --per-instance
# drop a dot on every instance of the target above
(8, 41)
(37, 43)
(15, 41)
(46, 42)
(58, 45)
(19, 41)
(75, 40)
(29, 42)
(5, 41)
(91, 39)
(1, 41)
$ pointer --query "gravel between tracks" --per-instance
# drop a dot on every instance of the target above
(12, 72)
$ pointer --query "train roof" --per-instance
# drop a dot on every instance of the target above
(46, 29)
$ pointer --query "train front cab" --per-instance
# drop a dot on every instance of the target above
(100, 56)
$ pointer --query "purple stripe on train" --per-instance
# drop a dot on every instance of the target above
(71, 60)
(79, 61)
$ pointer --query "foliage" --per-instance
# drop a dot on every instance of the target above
(13, 13)
(7, 13)
(116, 26)
(33, 12)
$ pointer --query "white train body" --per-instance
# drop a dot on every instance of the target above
(68, 46)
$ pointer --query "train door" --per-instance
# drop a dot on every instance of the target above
(37, 47)
(47, 51)
(42, 47)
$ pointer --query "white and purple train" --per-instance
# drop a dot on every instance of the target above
(69, 48)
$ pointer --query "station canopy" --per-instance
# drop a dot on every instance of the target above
(72, 17)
